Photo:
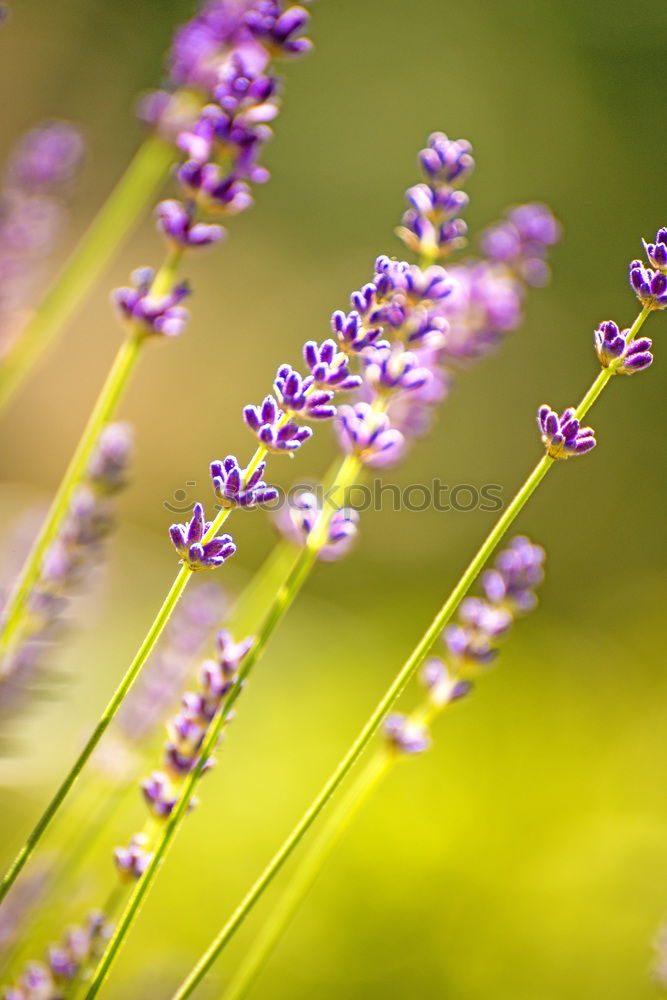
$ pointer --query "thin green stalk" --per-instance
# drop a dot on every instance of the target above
(49, 813)
(286, 594)
(306, 875)
(399, 684)
(105, 406)
(116, 218)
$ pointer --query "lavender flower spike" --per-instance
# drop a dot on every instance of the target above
(273, 429)
(649, 286)
(329, 367)
(233, 489)
(132, 861)
(563, 435)
(517, 572)
(188, 540)
(300, 397)
(367, 433)
(297, 519)
(614, 351)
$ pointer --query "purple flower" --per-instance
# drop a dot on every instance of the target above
(46, 159)
(446, 161)
(234, 488)
(442, 686)
(517, 572)
(521, 241)
(615, 352)
(474, 639)
(160, 314)
(298, 518)
(329, 367)
(301, 397)
(563, 436)
(159, 794)
(391, 369)
(214, 191)
(657, 252)
(177, 224)
(197, 554)
(108, 466)
(367, 433)
(405, 735)
(649, 286)
(132, 861)
(352, 335)
(277, 29)
(273, 429)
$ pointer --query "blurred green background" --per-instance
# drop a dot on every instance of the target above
(526, 855)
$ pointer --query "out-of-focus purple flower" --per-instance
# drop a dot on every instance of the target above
(442, 686)
(649, 286)
(132, 861)
(160, 795)
(657, 252)
(71, 558)
(516, 574)
(158, 688)
(521, 241)
(234, 488)
(195, 552)
(221, 194)
(391, 369)
(614, 351)
(329, 367)
(447, 161)
(297, 519)
(179, 227)
(563, 435)
(367, 433)
(160, 314)
(301, 397)
(64, 962)
(480, 626)
(273, 429)
(405, 735)
(46, 159)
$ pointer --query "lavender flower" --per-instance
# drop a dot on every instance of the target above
(273, 429)
(65, 961)
(159, 314)
(389, 368)
(301, 397)
(649, 286)
(38, 182)
(178, 225)
(367, 433)
(518, 571)
(473, 640)
(521, 241)
(657, 252)
(442, 685)
(329, 367)
(189, 541)
(71, 558)
(352, 335)
(234, 488)
(298, 518)
(431, 226)
(405, 735)
(158, 687)
(614, 351)
(563, 436)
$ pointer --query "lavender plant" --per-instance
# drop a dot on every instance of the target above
(471, 649)
(397, 388)
(237, 42)
(72, 557)
(563, 437)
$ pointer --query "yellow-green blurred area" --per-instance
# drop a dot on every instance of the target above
(525, 856)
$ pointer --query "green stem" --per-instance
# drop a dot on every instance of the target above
(306, 875)
(49, 813)
(112, 224)
(285, 596)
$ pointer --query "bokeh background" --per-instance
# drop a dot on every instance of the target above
(526, 855)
